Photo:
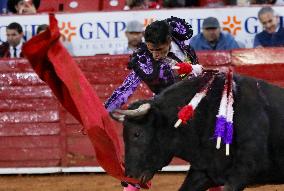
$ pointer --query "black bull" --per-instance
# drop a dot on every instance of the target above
(256, 154)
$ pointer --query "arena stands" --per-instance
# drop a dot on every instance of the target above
(3, 6)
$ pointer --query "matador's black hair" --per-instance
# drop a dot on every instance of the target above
(157, 32)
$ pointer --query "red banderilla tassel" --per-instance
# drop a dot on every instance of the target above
(184, 68)
(185, 113)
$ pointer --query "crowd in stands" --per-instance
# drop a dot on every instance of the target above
(211, 38)
(134, 34)
(6, 6)
(273, 33)
(13, 47)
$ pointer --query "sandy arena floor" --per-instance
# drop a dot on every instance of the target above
(94, 182)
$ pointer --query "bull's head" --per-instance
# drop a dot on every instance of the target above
(147, 142)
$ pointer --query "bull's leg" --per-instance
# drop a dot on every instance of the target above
(236, 181)
(242, 174)
(228, 187)
(196, 181)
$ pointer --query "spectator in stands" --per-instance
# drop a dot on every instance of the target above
(174, 3)
(41, 28)
(134, 33)
(13, 47)
(141, 4)
(240, 2)
(23, 6)
(274, 2)
(212, 38)
(272, 34)
(3, 6)
(191, 3)
(136, 4)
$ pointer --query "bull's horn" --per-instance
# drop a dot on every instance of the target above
(141, 110)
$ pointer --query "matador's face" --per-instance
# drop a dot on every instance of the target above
(159, 51)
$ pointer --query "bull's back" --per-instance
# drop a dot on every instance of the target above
(275, 112)
(273, 97)
(258, 119)
(264, 97)
(265, 103)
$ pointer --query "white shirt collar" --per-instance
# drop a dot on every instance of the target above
(277, 28)
(19, 50)
(177, 51)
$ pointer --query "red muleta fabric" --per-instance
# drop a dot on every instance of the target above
(56, 67)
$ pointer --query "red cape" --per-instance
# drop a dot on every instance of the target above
(55, 66)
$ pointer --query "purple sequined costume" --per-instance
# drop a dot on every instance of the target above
(156, 74)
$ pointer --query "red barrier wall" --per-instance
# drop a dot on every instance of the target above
(36, 131)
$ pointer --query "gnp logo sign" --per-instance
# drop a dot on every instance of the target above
(84, 36)
(232, 25)
(91, 30)
(67, 31)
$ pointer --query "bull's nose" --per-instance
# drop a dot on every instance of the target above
(124, 184)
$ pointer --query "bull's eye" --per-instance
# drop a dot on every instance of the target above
(136, 134)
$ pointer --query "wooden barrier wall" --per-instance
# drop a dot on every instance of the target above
(35, 131)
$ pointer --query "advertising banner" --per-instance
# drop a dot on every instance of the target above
(91, 33)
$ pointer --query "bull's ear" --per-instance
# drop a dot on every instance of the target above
(118, 117)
